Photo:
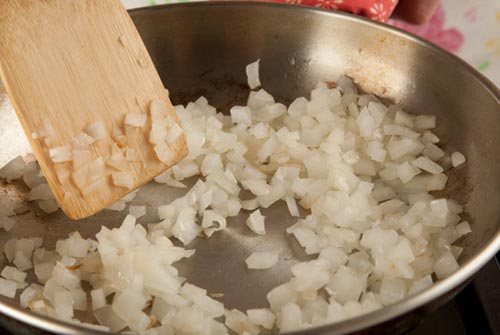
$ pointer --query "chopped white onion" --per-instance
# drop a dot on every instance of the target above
(262, 260)
(256, 223)
(261, 317)
(8, 288)
(15, 169)
(241, 115)
(158, 131)
(137, 211)
(375, 233)
(158, 109)
(252, 71)
(163, 152)
(98, 186)
(135, 119)
(81, 157)
(427, 165)
(83, 140)
(123, 179)
(132, 155)
(41, 192)
(61, 154)
(173, 133)
(457, 159)
(96, 130)
(46, 130)
(48, 206)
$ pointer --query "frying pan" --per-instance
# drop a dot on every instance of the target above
(202, 49)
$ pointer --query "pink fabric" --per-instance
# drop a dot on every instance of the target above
(435, 31)
(379, 10)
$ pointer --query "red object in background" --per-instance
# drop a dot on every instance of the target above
(379, 10)
(435, 31)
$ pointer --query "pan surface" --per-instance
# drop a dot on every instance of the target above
(202, 49)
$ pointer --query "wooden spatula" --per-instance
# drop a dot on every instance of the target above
(89, 99)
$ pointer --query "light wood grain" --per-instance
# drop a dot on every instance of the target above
(74, 62)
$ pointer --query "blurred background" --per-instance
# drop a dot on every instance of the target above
(470, 29)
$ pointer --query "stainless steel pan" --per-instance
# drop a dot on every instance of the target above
(202, 49)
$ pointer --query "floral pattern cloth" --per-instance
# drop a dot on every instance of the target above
(470, 29)
(379, 10)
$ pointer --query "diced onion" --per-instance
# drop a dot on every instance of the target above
(457, 159)
(252, 71)
(174, 132)
(256, 223)
(262, 260)
(158, 109)
(60, 154)
(81, 157)
(373, 231)
(96, 130)
(118, 162)
(123, 179)
(135, 119)
(132, 155)
(158, 132)
(137, 211)
(163, 152)
(48, 206)
(98, 186)
(83, 139)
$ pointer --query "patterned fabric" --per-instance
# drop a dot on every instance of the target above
(435, 31)
(379, 10)
(471, 28)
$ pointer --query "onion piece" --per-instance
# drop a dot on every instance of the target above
(261, 317)
(262, 260)
(135, 119)
(83, 139)
(158, 109)
(256, 223)
(239, 323)
(132, 155)
(81, 177)
(173, 133)
(158, 131)
(185, 228)
(163, 153)
(61, 154)
(8, 288)
(98, 186)
(81, 157)
(41, 192)
(48, 206)
(123, 179)
(96, 130)
(120, 139)
(118, 162)
(457, 159)
(137, 211)
(98, 299)
(46, 130)
(97, 169)
(13, 170)
(252, 71)
(7, 223)
(118, 206)
(427, 165)
(241, 115)
(425, 122)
